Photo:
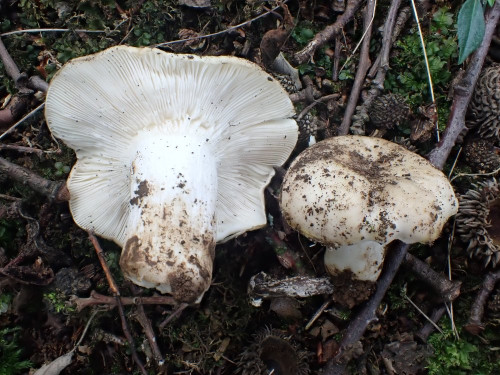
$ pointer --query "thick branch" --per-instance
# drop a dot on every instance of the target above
(463, 93)
(328, 33)
(364, 64)
(447, 289)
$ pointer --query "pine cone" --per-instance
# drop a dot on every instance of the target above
(307, 127)
(481, 155)
(477, 221)
(287, 82)
(388, 110)
(485, 103)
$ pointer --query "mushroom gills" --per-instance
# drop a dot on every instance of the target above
(171, 230)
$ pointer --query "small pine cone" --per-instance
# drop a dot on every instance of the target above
(286, 82)
(485, 103)
(388, 110)
(307, 127)
(481, 155)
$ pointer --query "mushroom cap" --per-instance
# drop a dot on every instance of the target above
(348, 189)
(97, 104)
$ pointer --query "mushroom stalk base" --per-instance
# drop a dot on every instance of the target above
(171, 232)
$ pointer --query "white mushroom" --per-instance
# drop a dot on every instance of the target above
(174, 153)
(356, 194)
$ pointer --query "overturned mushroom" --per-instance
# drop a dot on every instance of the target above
(356, 194)
(174, 152)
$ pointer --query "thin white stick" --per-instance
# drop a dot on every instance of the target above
(454, 163)
(31, 31)
(415, 13)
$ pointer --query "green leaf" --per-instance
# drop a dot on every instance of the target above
(471, 27)
(491, 2)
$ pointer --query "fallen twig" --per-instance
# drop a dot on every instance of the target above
(475, 324)
(53, 190)
(173, 315)
(328, 33)
(428, 328)
(13, 111)
(116, 294)
(364, 64)
(447, 289)
(404, 15)
(26, 117)
(28, 150)
(100, 299)
(10, 66)
(148, 330)
(336, 59)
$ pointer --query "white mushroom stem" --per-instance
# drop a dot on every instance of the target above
(364, 259)
(171, 229)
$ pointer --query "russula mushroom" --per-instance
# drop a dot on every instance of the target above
(356, 194)
(174, 152)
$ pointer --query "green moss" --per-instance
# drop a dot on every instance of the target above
(10, 353)
(461, 357)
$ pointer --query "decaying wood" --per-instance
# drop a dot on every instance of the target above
(328, 33)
